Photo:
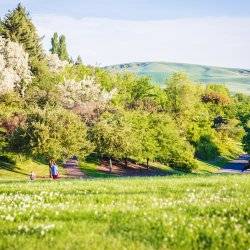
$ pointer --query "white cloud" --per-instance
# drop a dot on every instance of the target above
(211, 41)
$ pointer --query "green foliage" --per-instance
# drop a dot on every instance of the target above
(18, 27)
(206, 148)
(113, 136)
(173, 149)
(55, 44)
(183, 96)
(243, 114)
(59, 47)
(52, 133)
(44, 92)
(246, 141)
(78, 61)
(143, 137)
(62, 49)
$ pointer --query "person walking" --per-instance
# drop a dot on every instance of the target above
(54, 171)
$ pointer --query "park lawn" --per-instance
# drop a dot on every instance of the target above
(173, 212)
(22, 166)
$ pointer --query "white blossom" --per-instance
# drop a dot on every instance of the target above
(14, 69)
(55, 64)
(84, 97)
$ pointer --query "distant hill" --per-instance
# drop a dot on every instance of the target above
(237, 80)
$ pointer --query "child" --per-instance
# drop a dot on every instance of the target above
(32, 176)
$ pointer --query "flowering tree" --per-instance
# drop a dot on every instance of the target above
(14, 69)
(55, 64)
(85, 97)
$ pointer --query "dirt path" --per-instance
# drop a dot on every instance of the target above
(237, 166)
(72, 170)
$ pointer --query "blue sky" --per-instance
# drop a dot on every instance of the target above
(135, 9)
(112, 31)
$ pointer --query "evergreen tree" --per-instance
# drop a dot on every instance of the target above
(62, 52)
(71, 60)
(78, 61)
(18, 27)
(55, 44)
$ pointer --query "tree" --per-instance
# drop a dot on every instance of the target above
(79, 61)
(52, 133)
(183, 96)
(14, 69)
(55, 44)
(173, 149)
(113, 136)
(243, 114)
(18, 27)
(62, 50)
(59, 47)
(55, 64)
(85, 97)
(144, 129)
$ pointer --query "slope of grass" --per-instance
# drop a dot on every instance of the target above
(19, 167)
(14, 166)
(237, 80)
(187, 212)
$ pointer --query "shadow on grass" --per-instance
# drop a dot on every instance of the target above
(8, 164)
(218, 163)
(40, 160)
(93, 167)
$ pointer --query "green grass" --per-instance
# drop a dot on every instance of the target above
(187, 212)
(89, 167)
(19, 167)
(210, 167)
(237, 80)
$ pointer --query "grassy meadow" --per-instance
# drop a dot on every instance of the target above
(176, 212)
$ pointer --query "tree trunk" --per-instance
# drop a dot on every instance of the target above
(147, 164)
(126, 162)
(110, 165)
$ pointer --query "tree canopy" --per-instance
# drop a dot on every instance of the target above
(18, 27)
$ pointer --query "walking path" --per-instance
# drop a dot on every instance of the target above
(237, 166)
(73, 170)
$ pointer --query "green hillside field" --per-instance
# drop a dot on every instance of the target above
(237, 80)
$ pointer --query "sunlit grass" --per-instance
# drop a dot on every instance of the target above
(186, 212)
(22, 166)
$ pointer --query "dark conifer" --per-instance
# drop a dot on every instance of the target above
(18, 27)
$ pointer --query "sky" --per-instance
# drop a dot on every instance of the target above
(106, 32)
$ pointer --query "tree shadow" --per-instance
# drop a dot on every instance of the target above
(219, 162)
(133, 169)
(8, 164)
